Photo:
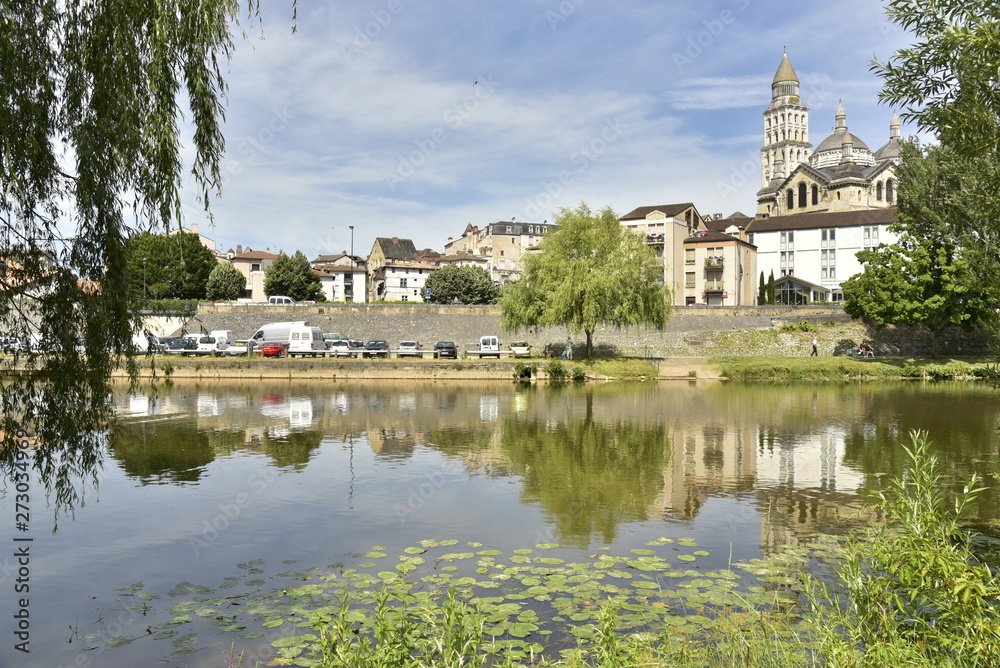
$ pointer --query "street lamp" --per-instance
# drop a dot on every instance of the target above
(144, 260)
(352, 244)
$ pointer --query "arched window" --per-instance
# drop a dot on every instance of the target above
(878, 191)
(889, 195)
(802, 195)
(815, 193)
(791, 199)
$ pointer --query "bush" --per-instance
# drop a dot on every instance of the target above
(168, 368)
(579, 374)
(555, 369)
(523, 370)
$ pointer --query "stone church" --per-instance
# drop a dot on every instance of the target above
(841, 174)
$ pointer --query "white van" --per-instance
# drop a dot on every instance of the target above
(488, 345)
(226, 334)
(304, 340)
(280, 300)
(276, 331)
(210, 345)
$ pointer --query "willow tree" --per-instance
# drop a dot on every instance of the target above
(590, 271)
(91, 99)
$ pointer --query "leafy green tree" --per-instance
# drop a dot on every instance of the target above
(771, 296)
(293, 277)
(91, 95)
(469, 285)
(225, 283)
(590, 271)
(946, 80)
(917, 281)
(179, 261)
(761, 289)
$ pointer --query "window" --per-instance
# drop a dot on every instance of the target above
(791, 200)
(688, 256)
(878, 191)
(889, 195)
(829, 239)
(255, 266)
(828, 264)
(787, 261)
(802, 195)
(689, 280)
(788, 241)
(404, 298)
(402, 282)
(870, 237)
(815, 193)
(502, 264)
(501, 253)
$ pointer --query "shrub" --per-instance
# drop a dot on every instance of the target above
(555, 369)
(523, 370)
(168, 368)
(579, 374)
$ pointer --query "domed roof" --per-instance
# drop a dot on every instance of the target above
(888, 152)
(836, 140)
(785, 71)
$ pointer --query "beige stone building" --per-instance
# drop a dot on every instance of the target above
(253, 264)
(502, 243)
(665, 228)
(720, 269)
(841, 174)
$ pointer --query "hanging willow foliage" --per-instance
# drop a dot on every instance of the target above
(91, 99)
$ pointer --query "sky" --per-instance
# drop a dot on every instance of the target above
(414, 119)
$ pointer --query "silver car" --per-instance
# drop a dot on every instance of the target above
(244, 347)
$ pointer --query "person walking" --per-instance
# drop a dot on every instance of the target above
(815, 348)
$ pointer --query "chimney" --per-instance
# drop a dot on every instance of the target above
(239, 249)
(395, 240)
(194, 228)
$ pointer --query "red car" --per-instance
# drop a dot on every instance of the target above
(272, 349)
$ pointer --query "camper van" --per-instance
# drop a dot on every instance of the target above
(305, 340)
(277, 331)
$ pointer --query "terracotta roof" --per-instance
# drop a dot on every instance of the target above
(815, 221)
(256, 255)
(463, 257)
(339, 269)
(720, 224)
(716, 237)
(670, 210)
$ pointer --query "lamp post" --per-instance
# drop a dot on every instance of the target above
(144, 260)
(352, 244)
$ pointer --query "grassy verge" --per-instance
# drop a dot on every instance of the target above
(845, 368)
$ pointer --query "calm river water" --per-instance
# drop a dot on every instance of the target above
(232, 485)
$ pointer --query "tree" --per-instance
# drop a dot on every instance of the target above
(771, 296)
(225, 283)
(590, 271)
(92, 94)
(293, 277)
(178, 261)
(947, 79)
(917, 282)
(761, 289)
(469, 285)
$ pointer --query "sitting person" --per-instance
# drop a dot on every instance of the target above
(866, 350)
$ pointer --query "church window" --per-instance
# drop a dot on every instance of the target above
(791, 199)
(878, 191)
(838, 194)
(815, 195)
(802, 195)
(889, 196)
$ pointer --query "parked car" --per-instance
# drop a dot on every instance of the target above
(520, 349)
(376, 348)
(408, 349)
(12, 344)
(330, 337)
(272, 349)
(277, 331)
(280, 300)
(446, 349)
(237, 348)
(211, 345)
(185, 345)
(340, 348)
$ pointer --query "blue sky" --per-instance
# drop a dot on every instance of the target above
(413, 119)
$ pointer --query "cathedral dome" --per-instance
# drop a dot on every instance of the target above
(785, 71)
(836, 140)
(888, 152)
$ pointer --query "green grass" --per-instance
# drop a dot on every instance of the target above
(846, 368)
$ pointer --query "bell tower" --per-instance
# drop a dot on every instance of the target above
(786, 127)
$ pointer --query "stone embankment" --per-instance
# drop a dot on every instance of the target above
(696, 332)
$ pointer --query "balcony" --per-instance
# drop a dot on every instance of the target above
(715, 286)
(714, 262)
(654, 238)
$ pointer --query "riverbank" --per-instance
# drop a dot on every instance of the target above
(757, 369)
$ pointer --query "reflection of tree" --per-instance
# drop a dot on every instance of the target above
(169, 450)
(588, 476)
(292, 450)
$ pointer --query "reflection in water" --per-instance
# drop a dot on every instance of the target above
(591, 457)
